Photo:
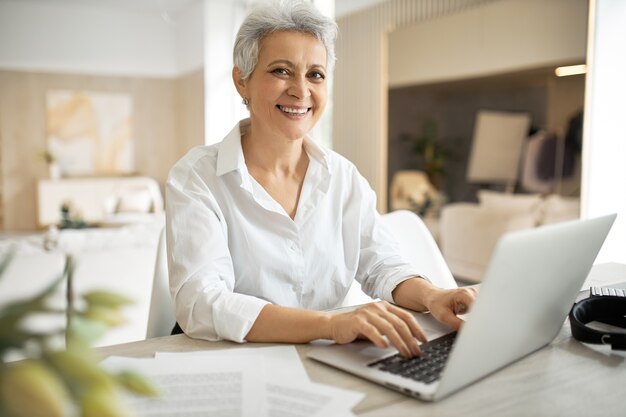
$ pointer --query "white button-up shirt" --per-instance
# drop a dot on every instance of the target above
(232, 248)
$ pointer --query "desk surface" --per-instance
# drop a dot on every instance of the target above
(566, 378)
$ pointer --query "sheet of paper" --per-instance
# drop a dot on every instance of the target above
(190, 387)
(310, 399)
(281, 362)
(287, 388)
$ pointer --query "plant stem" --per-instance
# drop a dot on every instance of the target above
(68, 271)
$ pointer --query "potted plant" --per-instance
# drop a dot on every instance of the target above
(52, 381)
(54, 169)
(431, 152)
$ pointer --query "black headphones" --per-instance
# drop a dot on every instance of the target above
(605, 309)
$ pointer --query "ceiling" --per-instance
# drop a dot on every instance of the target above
(142, 6)
(342, 7)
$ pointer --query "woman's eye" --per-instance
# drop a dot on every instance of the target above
(317, 75)
(280, 71)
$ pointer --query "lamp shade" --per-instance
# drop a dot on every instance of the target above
(497, 146)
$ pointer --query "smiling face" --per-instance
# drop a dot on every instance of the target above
(287, 89)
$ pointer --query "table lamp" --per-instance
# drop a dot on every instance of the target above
(497, 146)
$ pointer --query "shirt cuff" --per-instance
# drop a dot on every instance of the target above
(234, 317)
(392, 283)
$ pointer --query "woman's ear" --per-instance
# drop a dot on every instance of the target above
(240, 83)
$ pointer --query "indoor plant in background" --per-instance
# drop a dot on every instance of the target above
(55, 380)
(431, 154)
(54, 169)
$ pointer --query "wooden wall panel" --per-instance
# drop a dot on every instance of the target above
(190, 110)
(164, 129)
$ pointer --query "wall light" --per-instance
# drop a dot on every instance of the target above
(570, 70)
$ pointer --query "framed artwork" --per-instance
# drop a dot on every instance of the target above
(90, 133)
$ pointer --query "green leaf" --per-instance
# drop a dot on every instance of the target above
(111, 317)
(106, 299)
(30, 389)
(15, 340)
(6, 260)
(104, 402)
(79, 367)
(136, 383)
(85, 330)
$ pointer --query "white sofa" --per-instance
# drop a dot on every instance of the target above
(100, 200)
(469, 232)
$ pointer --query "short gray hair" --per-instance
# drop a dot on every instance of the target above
(280, 16)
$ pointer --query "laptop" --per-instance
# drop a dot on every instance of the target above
(528, 289)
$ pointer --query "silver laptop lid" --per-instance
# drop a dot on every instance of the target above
(528, 289)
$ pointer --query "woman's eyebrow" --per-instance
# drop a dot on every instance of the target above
(318, 66)
(292, 65)
(281, 61)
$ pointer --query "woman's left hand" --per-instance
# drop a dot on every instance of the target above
(445, 305)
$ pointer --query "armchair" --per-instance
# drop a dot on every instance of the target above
(470, 231)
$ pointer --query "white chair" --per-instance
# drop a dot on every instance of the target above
(161, 318)
(414, 239)
(418, 246)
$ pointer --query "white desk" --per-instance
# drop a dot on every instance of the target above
(566, 378)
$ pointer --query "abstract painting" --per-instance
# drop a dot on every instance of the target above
(90, 133)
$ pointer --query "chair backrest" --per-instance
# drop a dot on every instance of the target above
(416, 245)
(161, 317)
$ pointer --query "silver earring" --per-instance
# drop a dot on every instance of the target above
(245, 101)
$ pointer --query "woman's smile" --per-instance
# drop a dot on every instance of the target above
(294, 111)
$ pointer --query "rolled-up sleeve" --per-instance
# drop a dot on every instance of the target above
(381, 267)
(201, 273)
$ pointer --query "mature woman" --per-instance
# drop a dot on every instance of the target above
(267, 229)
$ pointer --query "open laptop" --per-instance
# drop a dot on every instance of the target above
(529, 287)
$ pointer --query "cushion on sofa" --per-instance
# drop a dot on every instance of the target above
(136, 200)
(495, 200)
(558, 209)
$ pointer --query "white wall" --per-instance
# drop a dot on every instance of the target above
(189, 38)
(604, 149)
(498, 37)
(223, 106)
(98, 39)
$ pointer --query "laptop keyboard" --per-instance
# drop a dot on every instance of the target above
(425, 368)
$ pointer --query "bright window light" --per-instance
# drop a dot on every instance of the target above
(570, 70)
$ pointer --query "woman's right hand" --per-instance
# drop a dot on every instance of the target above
(375, 321)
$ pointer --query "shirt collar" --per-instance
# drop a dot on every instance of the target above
(315, 151)
(230, 155)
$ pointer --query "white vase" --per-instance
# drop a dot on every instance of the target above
(54, 171)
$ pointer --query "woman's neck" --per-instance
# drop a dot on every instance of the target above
(273, 155)
(278, 165)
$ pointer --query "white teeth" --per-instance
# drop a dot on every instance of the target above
(293, 111)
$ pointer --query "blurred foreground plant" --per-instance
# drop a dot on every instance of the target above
(54, 381)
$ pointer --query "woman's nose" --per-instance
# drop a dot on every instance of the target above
(299, 88)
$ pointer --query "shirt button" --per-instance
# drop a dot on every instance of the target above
(294, 246)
